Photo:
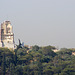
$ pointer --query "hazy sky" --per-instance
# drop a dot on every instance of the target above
(41, 22)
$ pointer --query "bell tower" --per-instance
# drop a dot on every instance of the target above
(7, 35)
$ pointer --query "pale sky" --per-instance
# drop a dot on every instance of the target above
(41, 22)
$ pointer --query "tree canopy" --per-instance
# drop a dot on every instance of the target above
(37, 61)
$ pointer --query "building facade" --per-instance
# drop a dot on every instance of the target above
(6, 35)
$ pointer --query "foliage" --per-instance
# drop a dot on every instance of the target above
(38, 61)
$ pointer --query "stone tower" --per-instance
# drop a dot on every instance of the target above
(6, 35)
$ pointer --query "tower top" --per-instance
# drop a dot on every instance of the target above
(6, 22)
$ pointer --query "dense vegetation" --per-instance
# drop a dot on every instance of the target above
(37, 61)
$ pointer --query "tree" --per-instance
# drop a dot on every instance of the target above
(18, 70)
(18, 46)
(12, 69)
(4, 64)
(35, 48)
(47, 51)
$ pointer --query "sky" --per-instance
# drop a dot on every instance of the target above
(41, 22)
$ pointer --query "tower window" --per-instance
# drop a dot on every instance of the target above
(2, 30)
(8, 30)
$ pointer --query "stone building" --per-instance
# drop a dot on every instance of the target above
(6, 35)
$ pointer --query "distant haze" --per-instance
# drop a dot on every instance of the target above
(41, 22)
